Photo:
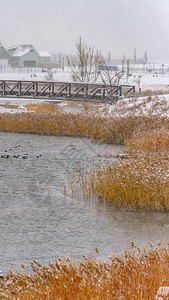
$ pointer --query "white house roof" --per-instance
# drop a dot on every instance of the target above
(2, 48)
(44, 54)
(20, 50)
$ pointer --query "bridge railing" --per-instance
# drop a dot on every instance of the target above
(63, 90)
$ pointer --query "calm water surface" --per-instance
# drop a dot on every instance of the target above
(38, 220)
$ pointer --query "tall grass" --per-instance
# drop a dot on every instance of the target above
(101, 129)
(149, 141)
(136, 275)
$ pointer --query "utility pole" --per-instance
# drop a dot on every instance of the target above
(122, 66)
(123, 63)
(109, 58)
(145, 57)
(63, 64)
(128, 70)
(135, 58)
(60, 60)
(68, 64)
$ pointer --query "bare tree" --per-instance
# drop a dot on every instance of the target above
(84, 65)
(111, 79)
(109, 76)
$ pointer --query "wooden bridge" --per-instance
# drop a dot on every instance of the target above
(70, 91)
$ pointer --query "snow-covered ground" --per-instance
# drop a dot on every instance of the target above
(156, 105)
(58, 75)
(146, 81)
(152, 82)
(129, 106)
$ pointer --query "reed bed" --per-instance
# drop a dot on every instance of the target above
(138, 274)
(101, 129)
(140, 182)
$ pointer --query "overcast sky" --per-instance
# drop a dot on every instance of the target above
(117, 26)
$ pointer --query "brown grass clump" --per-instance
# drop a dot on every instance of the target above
(150, 141)
(138, 182)
(42, 107)
(136, 275)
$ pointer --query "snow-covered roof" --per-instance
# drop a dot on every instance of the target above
(44, 54)
(20, 50)
(3, 49)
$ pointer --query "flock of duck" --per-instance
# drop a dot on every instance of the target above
(23, 156)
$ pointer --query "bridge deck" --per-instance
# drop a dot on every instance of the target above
(90, 92)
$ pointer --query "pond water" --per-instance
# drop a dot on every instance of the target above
(38, 220)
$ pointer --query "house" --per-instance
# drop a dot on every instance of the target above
(23, 56)
(44, 59)
(5, 57)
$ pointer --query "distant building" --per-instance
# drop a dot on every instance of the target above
(5, 57)
(23, 56)
(44, 59)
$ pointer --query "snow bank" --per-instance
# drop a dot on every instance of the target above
(145, 106)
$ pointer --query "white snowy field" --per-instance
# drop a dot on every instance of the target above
(58, 75)
(158, 105)
(152, 82)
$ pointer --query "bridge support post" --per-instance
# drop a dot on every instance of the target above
(120, 94)
(36, 89)
(86, 91)
(4, 86)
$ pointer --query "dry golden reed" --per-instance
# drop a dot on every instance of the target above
(103, 129)
(142, 181)
(149, 141)
(138, 274)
